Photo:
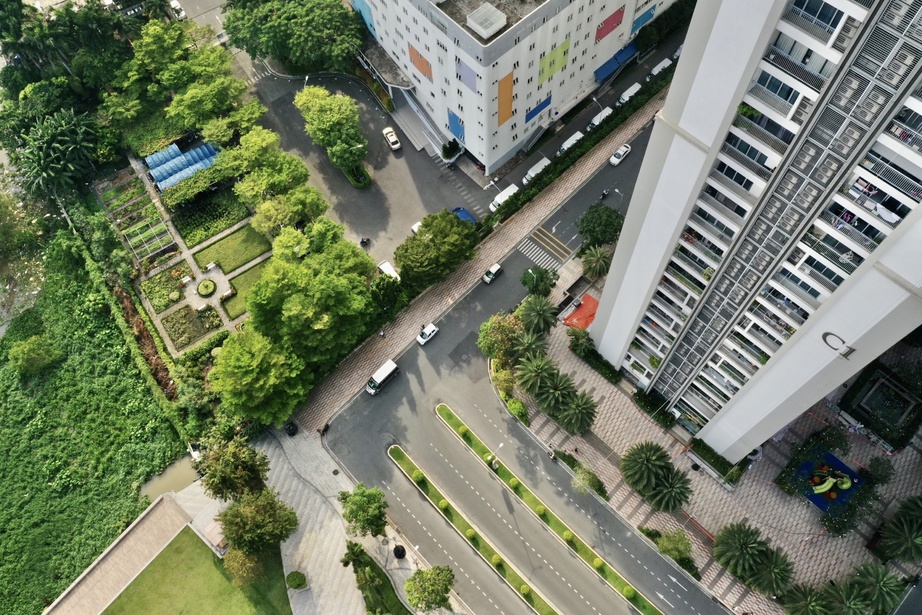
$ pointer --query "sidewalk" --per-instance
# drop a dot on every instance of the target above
(337, 388)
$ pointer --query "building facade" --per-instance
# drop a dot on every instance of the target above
(773, 245)
(494, 75)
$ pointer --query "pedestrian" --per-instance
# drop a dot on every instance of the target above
(382, 333)
(575, 449)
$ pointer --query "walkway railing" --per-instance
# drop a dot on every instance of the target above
(808, 23)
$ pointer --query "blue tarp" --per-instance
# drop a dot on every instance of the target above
(186, 173)
(158, 158)
(177, 169)
(809, 468)
(619, 59)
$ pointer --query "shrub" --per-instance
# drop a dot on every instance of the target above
(568, 535)
(504, 381)
(879, 471)
(654, 404)
(651, 533)
(296, 580)
(525, 590)
(418, 476)
(174, 296)
(206, 288)
(540, 510)
(514, 483)
(597, 563)
(517, 409)
(470, 533)
(581, 345)
(443, 504)
(731, 473)
(487, 457)
(629, 592)
(463, 431)
(496, 560)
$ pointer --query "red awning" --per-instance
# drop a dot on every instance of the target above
(583, 316)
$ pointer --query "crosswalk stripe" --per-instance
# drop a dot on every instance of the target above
(538, 255)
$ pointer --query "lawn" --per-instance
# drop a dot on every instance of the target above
(235, 250)
(237, 305)
(159, 288)
(186, 577)
(197, 222)
(462, 526)
(582, 549)
(186, 326)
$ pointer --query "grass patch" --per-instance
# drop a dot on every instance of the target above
(197, 222)
(186, 326)
(164, 290)
(461, 524)
(186, 577)
(550, 519)
(235, 250)
(378, 591)
(237, 305)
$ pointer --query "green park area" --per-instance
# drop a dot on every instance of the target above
(187, 577)
(237, 305)
(235, 250)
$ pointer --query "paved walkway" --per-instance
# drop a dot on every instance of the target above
(349, 378)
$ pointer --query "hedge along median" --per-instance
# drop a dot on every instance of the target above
(463, 527)
(586, 553)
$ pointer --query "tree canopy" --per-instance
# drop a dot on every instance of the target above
(365, 510)
(259, 519)
(428, 590)
(231, 468)
(600, 225)
(441, 245)
(332, 121)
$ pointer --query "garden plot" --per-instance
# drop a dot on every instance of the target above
(186, 326)
(134, 215)
(165, 289)
(197, 222)
(235, 250)
(237, 305)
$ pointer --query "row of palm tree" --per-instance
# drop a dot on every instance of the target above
(902, 535)
(555, 392)
(646, 467)
(740, 549)
(871, 588)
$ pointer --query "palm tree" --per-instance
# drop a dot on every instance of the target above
(740, 549)
(556, 394)
(805, 600)
(529, 343)
(881, 588)
(902, 538)
(579, 415)
(775, 574)
(538, 314)
(534, 371)
(846, 599)
(911, 507)
(57, 152)
(596, 261)
(642, 464)
(672, 490)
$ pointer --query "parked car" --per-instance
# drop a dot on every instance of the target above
(291, 428)
(619, 155)
(491, 273)
(415, 228)
(427, 333)
(464, 215)
(392, 139)
(177, 10)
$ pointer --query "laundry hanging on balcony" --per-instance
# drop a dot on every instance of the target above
(886, 214)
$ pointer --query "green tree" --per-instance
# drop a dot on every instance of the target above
(805, 600)
(596, 261)
(642, 465)
(529, 343)
(203, 100)
(600, 225)
(32, 355)
(244, 568)
(578, 416)
(497, 337)
(332, 122)
(428, 590)
(231, 468)
(902, 539)
(56, 153)
(223, 130)
(302, 204)
(354, 553)
(257, 520)
(539, 281)
(538, 314)
(535, 371)
(879, 471)
(504, 381)
(157, 9)
(846, 599)
(442, 244)
(775, 573)
(365, 510)
(257, 379)
(557, 394)
(583, 479)
(672, 491)
(580, 341)
(675, 544)
(880, 588)
(740, 549)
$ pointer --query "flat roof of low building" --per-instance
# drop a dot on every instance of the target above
(514, 10)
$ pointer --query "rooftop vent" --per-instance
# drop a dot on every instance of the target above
(486, 20)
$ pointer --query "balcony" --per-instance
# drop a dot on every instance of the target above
(721, 209)
(746, 162)
(735, 376)
(762, 135)
(741, 361)
(795, 291)
(691, 264)
(794, 68)
(725, 383)
(670, 307)
(871, 204)
(772, 321)
(656, 313)
(771, 99)
(670, 288)
(848, 230)
(907, 135)
(847, 262)
(762, 336)
(676, 272)
(757, 353)
(899, 180)
(733, 187)
(818, 279)
(789, 312)
(811, 25)
(701, 245)
(722, 234)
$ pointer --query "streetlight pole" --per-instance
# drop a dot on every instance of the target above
(620, 196)
(492, 183)
(601, 108)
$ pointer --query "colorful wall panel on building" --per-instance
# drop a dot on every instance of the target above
(505, 100)
(554, 61)
(421, 63)
(544, 104)
(367, 14)
(608, 26)
(456, 126)
(467, 75)
(643, 19)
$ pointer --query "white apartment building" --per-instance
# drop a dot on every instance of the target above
(773, 246)
(494, 75)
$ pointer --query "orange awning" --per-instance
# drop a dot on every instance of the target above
(583, 316)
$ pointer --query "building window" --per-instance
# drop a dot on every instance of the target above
(735, 176)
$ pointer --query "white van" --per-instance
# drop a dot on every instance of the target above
(659, 68)
(381, 377)
(601, 115)
(386, 268)
(532, 172)
(503, 196)
(570, 142)
(628, 94)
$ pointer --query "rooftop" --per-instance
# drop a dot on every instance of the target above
(514, 10)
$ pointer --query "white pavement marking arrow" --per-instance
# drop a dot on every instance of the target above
(663, 598)
(676, 581)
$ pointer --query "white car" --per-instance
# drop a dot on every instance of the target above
(619, 155)
(415, 228)
(392, 139)
(491, 273)
(427, 333)
(177, 10)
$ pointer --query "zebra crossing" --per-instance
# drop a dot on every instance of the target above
(471, 204)
(544, 249)
(258, 73)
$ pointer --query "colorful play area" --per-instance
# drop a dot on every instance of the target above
(827, 480)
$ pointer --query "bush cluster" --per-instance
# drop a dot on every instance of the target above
(654, 404)
(296, 580)
(730, 472)
(582, 346)
(517, 409)
(595, 483)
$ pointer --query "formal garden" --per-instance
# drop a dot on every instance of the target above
(235, 250)
(198, 222)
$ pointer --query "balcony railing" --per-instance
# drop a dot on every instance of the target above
(725, 383)
(795, 291)
(771, 321)
(751, 128)
(721, 209)
(789, 312)
(678, 292)
(738, 379)
(721, 233)
(674, 271)
(895, 178)
(700, 245)
(849, 231)
(733, 187)
(771, 99)
(741, 361)
(690, 263)
(845, 262)
(658, 314)
(771, 343)
(747, 162)
(704, 405)
(808, 23)
(670, 307)
(867, 203)
(818, 279)
(794, 68)
(758, 354)
(907, 135)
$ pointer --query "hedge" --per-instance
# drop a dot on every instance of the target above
(654, 404)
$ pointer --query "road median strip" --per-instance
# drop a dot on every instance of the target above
(469, 533)
(577, 544)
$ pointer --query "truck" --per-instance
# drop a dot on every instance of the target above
(659, 68)
(532, 172)
(598, 119)
(570, 142)
(628, 94)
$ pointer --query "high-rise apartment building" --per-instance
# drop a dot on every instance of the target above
(493, 75)
(773, 246)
